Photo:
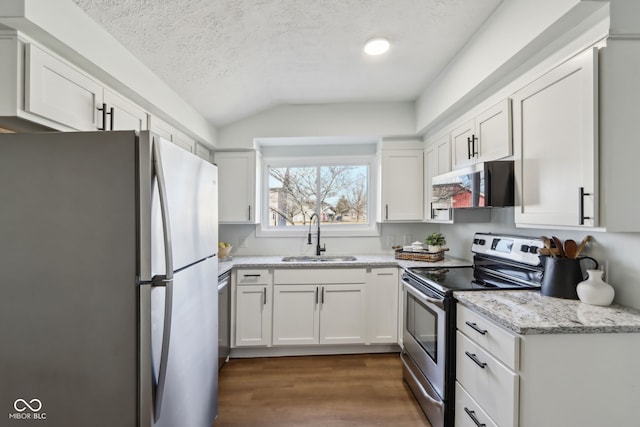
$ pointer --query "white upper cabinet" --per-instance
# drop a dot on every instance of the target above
(555, 140)
(121, 114)
(59, 92)
(486, 137)
(437, 160)
(402, 185)
(238, 189)
(172, 134)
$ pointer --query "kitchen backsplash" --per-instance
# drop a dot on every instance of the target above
(617, 252)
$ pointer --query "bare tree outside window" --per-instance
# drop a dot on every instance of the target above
(336, 193)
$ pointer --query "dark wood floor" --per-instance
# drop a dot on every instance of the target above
(317, 391)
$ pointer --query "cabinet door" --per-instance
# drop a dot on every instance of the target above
(202, 152)
(437, 160)
(383, 315)
(461, 154)
(253, 316)
(126, 115)
(555, 145)
(402, 185)
(182, 140)
(493, 132)
(58, 92)
(237, 188)
(296, 314)
(343, 314)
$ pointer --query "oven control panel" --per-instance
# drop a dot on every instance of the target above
(516, 248)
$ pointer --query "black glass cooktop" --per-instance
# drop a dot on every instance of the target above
(450, 279)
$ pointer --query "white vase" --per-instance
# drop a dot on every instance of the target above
(594, 290)
(434, 248)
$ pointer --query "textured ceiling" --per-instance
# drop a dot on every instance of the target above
(233, 58)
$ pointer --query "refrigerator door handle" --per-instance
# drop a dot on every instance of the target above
(166, 280)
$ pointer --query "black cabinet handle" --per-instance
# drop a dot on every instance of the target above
(475, 359)
(251, 275)
(469, 148)
(104, 116)
(264, 296)
(474, 151)
(472, 415)
(581, 195)
(322, 298)
(249, 212)
(111, 113)
(386, 211)
(475, 327)
(317, 295)
(106, 113)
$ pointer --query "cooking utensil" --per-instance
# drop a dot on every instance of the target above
(582, 245)
(548, 252)
(570, 248)
(558, 244)
(547, 245)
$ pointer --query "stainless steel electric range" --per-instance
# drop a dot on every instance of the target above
(500, 262)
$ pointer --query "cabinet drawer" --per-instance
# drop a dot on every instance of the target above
(467, 409)
(491, 337)
(488, 382)
(252, 277)
(319, 276)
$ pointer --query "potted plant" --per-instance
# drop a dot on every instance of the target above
(435, 242)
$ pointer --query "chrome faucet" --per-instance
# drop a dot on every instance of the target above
(319, 249)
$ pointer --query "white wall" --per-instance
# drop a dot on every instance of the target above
(356, 119)
(244, 241)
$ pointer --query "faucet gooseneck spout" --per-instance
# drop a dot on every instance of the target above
(319, 249)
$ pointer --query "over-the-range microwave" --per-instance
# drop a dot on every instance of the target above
(486, 184)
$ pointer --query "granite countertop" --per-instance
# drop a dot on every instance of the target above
(227, 264)
(530, 313)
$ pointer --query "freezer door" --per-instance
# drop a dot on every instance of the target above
(191, 189)
(68, 303)
(191, 388)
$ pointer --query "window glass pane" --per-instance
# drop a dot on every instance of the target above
(292, 195)
(343, 194)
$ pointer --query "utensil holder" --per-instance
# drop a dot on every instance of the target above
(562, 275)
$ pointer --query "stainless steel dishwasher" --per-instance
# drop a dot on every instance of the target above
(224, 317)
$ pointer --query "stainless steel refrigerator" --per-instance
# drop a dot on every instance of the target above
(108, 282)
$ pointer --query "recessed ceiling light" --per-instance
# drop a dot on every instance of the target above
(376, 46)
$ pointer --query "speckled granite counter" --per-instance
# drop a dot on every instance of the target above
(529, 313)
(361, 261)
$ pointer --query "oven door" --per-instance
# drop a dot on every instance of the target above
(424, 340)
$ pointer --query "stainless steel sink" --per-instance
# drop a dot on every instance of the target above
(321, 258)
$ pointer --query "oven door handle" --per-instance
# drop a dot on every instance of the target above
(424, 392)
(422, 297)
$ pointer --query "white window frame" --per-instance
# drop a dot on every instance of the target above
(328, 230)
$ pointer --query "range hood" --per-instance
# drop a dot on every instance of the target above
(483, 185)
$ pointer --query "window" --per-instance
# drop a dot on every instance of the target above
(336, 191)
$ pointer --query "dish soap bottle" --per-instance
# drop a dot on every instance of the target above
(594, 290)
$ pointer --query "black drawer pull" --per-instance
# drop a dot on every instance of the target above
(475, 327)
(251, 275)
(475, 359)
(472, 415)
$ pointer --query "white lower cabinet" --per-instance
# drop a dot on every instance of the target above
(316, 306)
(253, 299)
(383, 297)
(552, 380)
